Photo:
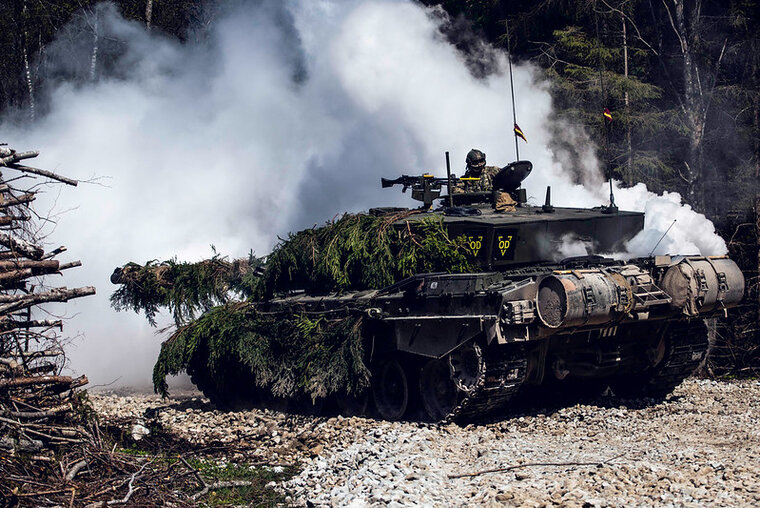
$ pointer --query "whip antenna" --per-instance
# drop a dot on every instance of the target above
(512, 89)
(661, 238)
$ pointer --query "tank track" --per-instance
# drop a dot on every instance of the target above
(501, 374)
(687, 347)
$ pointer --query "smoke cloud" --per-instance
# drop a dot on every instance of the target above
(286, 115)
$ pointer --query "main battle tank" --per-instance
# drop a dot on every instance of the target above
(448, 310)
(460, 346)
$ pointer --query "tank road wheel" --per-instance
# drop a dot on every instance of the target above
(270, 401)
(220, 395)
(305, 405)
(438, 391)
(446, 382)
(207, 387)
(390, 390)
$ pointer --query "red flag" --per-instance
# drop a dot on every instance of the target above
(519, 133)
(607, 115)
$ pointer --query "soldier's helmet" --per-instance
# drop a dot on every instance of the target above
(476, 160)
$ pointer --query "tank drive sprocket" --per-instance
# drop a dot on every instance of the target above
(468, 384)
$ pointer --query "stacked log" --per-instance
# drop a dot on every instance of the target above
(53, 451)
(38, 403)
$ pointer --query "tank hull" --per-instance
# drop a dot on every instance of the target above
(460, 346)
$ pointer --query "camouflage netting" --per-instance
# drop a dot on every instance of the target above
(288, 355)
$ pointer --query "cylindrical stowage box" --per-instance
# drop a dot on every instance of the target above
(582, 297)
(703, 284)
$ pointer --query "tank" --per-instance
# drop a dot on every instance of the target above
(460, 346)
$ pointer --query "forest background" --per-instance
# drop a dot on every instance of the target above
(681, 77)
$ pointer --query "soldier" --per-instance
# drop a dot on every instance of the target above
(476, 168)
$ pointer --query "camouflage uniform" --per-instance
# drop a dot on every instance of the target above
(503, 201)
(485, 184)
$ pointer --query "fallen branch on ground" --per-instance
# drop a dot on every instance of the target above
(533, 464)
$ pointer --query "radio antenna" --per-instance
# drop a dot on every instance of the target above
(661, 238)
(512, 89)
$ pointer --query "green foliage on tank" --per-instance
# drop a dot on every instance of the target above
(295, 356)
(286, 357)
(360, 251)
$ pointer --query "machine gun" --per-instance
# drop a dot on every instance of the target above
(425, 188)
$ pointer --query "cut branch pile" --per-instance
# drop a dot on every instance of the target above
(52, 449)
(40, 408)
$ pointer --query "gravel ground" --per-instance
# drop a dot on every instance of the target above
(701, 446)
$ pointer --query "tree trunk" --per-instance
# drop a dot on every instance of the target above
(629, 147)
(43, 380)
(25, 325)
(95, 46)
(46, 266)
(756, 136)
(42, 172)
(693, 103)
(21, 247)
(15, 201)
(13, 303)
(148, 14)
(27, 69)
(29, 84)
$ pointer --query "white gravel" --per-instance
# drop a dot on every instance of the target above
(699, 447)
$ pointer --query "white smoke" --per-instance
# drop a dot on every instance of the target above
(688, 232)
(287, 115)
(570, 245)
